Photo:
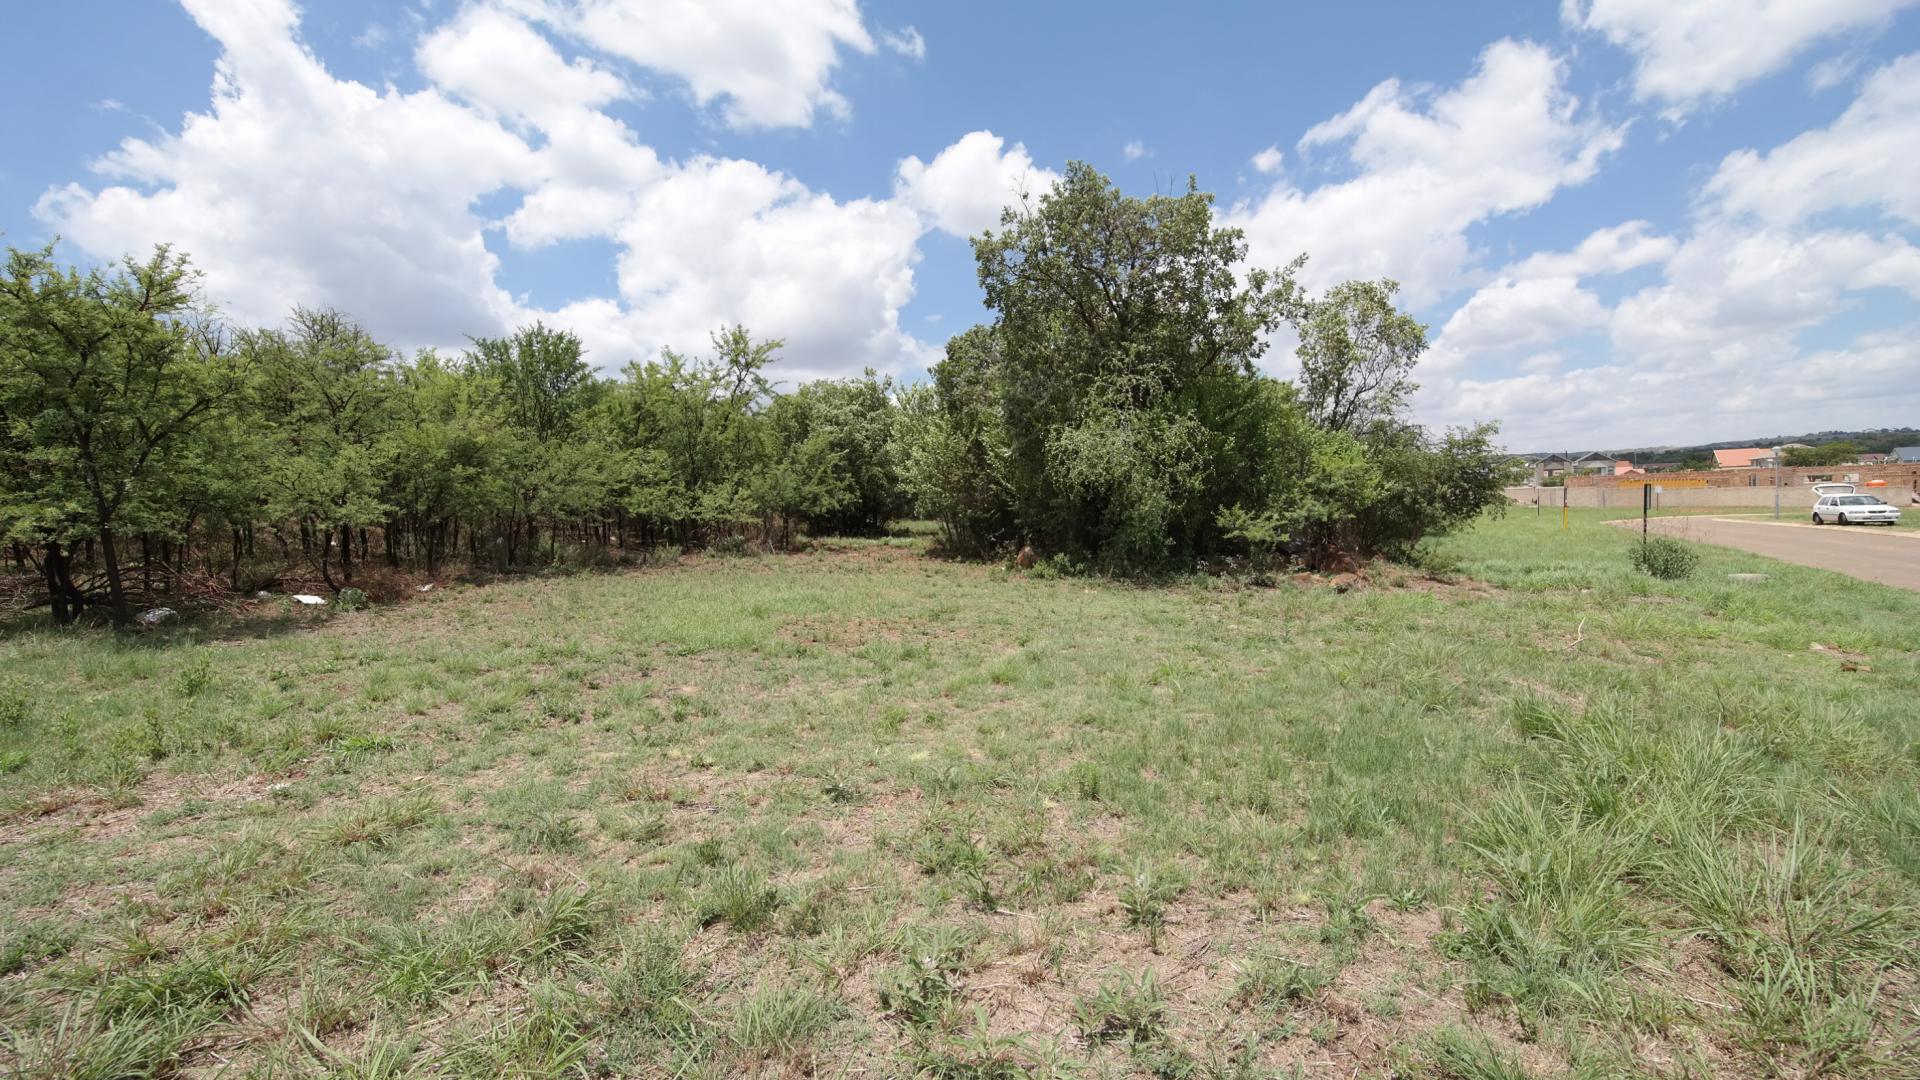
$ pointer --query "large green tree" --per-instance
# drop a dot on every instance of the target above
(106, 378)
(1127, 333)
(1357, 353)
(1841, 452)
(326, 389)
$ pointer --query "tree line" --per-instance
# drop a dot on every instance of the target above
(1111, 413)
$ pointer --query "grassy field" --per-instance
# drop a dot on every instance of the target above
(863, 812)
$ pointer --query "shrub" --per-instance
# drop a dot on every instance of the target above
(1130, 1008)
(351, 600)
(1665, 558)
(15, 706)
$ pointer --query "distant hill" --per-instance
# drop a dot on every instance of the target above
(1871, 441)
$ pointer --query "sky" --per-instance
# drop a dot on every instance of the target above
(1625, 222)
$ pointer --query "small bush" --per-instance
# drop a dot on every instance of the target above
(738, 897)
(15, 706)
(779, 1021)
(1665, 558)
(1129, 1008)
(194, 679)
(919, 991)
(350, 600)
(1145, 900)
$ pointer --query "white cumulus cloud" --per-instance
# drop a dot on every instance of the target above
(722, 241)
(964, 188)
(765, 65)
(1700, 50)
(1866, 158)
(1427, 167)
(297, 187)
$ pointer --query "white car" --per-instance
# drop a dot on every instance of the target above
(1854, 510)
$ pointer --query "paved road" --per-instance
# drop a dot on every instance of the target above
(1872, 553)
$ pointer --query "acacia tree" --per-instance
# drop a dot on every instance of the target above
(445, 450)
(105, 379)
(853, 421)
(1357, 353)
(540, 386)
(690, 427)
(326, 388)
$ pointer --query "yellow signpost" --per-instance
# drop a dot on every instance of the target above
(1635, 480)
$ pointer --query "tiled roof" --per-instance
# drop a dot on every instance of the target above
(1740, 458)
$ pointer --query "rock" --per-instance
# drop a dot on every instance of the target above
(1835, 650)
(263, 595)
(1026, 558)
(309, 599)
(156, 616)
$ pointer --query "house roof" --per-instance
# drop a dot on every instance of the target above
(1906, 453)
(1734, 459)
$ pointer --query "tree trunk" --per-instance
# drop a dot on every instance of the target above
(346, 553)
(116, 592)
(59, 587)
(326, 575)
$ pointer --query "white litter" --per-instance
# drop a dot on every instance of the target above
(309, 599)
(157, 616)
(428, 587)
(263, 595)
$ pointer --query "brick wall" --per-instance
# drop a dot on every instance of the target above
(1731, 488)
(1905, 475)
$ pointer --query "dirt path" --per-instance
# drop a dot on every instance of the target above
(1871, 553)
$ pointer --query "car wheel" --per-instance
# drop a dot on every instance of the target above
(1817, 520)
(1843, 519)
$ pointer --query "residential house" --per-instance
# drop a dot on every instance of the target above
(1905, 455)
(1871, 459)
(1551, 466)
(1746, 457)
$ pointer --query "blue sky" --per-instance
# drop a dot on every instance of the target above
(1626, 222)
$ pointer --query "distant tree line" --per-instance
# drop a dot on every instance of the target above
(1111, 413)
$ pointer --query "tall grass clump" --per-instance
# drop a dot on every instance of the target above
(1665, 558)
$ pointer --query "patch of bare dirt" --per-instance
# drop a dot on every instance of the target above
(100, 816)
